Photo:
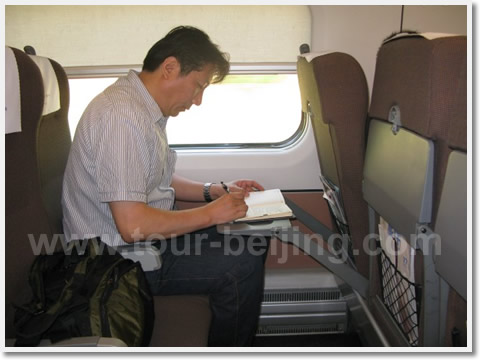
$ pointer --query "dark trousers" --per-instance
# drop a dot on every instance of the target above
(230, 269)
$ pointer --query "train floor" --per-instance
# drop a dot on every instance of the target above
(324, 340)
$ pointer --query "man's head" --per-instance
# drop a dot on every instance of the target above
(193, 50)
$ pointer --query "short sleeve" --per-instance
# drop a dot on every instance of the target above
(121, 160)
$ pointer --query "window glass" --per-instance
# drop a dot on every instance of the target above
(82, 91)
(243, 109)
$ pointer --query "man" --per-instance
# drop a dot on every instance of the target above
(120, 185)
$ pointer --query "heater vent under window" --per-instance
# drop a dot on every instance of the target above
(302, 301)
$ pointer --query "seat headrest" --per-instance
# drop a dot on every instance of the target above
(425, 35)
(426, 79)
(309, 56)
(50, 84)
(13, 122)
(334, 86)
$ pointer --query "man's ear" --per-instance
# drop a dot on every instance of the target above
(170, 67)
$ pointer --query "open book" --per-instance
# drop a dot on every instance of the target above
(266, 205)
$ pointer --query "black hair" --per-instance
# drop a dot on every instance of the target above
(192, 48)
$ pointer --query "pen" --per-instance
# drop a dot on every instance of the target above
(225, 187)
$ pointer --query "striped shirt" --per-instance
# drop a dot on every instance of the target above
(120, 152)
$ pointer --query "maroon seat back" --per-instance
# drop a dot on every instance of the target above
(334, 94)
(35, 160)
(426, 78)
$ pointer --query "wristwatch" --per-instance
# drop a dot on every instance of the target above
(206, 192)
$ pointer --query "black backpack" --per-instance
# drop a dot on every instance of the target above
(88, 289)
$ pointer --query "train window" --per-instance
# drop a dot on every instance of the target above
(82, 91)
(254, 106)
(244, 109)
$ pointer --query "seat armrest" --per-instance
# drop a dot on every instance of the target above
(82, 341)
(146, 253)
(86, 341)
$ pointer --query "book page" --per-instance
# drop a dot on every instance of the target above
(267, 204)
(266, 197)
(268, 210)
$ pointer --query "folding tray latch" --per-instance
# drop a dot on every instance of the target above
(395, 119)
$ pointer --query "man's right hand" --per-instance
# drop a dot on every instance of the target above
(228, 207)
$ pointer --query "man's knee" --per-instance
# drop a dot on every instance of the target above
(248, 268)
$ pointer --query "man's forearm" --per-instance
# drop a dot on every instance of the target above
(189, 190)
(136, 221)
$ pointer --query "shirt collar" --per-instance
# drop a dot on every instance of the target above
(150, 103)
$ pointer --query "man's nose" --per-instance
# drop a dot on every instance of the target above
(197, 100)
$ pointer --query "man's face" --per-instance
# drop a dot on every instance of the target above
(187, 90)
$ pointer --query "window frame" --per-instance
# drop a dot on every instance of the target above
(82, 72)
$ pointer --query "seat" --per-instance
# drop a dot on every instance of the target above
(451, 262)
(334, 95)
(24, 210)
(450, 193)
(35, 160)
(36, 152)
(418, 105)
